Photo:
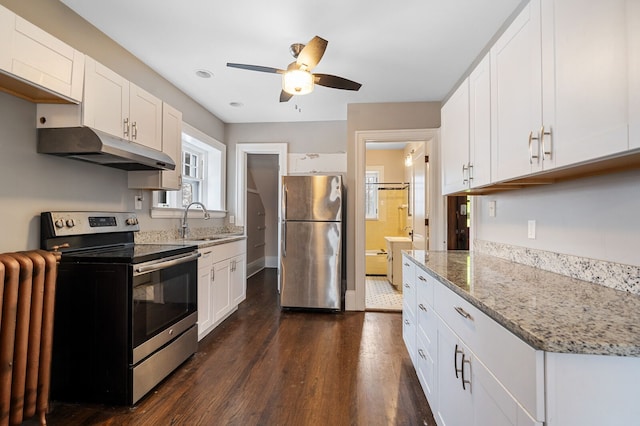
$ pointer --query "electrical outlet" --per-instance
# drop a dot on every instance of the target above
(531, 230)
(138, 202)
(232, 220)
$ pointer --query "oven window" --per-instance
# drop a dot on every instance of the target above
(161, 298)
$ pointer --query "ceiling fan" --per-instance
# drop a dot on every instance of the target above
(297, 79)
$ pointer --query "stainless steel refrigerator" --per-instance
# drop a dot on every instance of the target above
(311, 255)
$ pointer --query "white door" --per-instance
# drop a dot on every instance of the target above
(106, 100)
(584, 79)
(516, 96)
(419, 199)
(455, 141)
(146, 118)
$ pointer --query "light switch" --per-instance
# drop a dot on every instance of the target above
(492, 209)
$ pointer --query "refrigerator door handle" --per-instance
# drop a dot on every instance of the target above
(284, 239)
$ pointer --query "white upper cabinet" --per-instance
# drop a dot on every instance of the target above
(172, 146)
(633, 47)
(564, 86)
(466, 132)
(455, 141)
(116, 106)
(53, 70)
(516, 96)
(480, 124)
(585, 79)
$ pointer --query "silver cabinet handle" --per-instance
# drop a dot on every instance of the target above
(406, 264)
(531, 139)
(421, 353)
(422, 308)
(464, 178)
(406, 322)
(470, 172)
(125, 129)
(134, 130)
(544, 149)
(462, 379)
(463, 313)
(455, 360)
(421, 278)
(407, 285)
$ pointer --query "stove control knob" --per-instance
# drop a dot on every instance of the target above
(59, 223)
(132, 221)
(71, 223)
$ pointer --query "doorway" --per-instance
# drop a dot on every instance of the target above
(355, 298)
(458, 222)
(243, 150)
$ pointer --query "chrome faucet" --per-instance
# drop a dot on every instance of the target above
(184, 230)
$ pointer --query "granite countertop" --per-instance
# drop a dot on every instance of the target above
(550, 312)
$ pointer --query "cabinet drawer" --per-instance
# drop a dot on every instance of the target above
(227, 250)
(427, 327)
(409, 332)
(409, 293)
(425, 367)
(518, 366)
(425, 284)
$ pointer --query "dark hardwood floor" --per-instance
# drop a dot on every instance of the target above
(267, 367)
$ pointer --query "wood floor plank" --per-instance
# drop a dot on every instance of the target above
(263, 366)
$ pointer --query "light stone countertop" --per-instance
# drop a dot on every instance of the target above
(550, 312)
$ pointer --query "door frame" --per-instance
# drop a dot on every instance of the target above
(242, 150)
(355, 299)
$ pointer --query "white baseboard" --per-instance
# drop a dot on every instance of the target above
(255, 267)
(350, 301)
(271, 262)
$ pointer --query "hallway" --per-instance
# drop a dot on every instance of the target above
(267, 367)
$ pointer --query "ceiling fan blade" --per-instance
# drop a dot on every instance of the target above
(312, 53)
(255, 68)
(284, 96)
(336, 82)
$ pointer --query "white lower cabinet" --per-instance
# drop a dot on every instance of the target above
(472, 370)
(221, 283)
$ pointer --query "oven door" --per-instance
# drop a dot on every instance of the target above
(164, 302)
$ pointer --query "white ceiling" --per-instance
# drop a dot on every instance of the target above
(401, 51)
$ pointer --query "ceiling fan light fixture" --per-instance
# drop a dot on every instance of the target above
(297, 82)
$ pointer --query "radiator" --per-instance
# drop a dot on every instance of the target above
(27, 298)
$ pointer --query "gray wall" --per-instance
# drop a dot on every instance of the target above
(595, 217)
(32, 182)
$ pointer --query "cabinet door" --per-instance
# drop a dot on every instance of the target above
(238, 280)
(516, 97)
(205, 293)
(7, 24)
(455, 403)
(480, 124)
(633, 31)
(584, 79)
(221, 293)
(106, 100)
(146, 118)
(455, 141)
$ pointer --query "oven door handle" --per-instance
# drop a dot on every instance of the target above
(144, 269)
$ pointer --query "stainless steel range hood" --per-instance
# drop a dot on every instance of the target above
(94, 146)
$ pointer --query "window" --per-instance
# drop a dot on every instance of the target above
(373, 176)
(203, 175)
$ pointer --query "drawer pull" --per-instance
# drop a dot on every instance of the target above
(407, 285)
(455, 360)
(407, 322)
(463, 313)
(406, 264)
(422, 308)
(421, 353)
(462, 379)
(421, 278)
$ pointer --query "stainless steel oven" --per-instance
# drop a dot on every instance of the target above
(125, 314)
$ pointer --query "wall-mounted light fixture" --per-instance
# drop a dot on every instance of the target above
(408, 159)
